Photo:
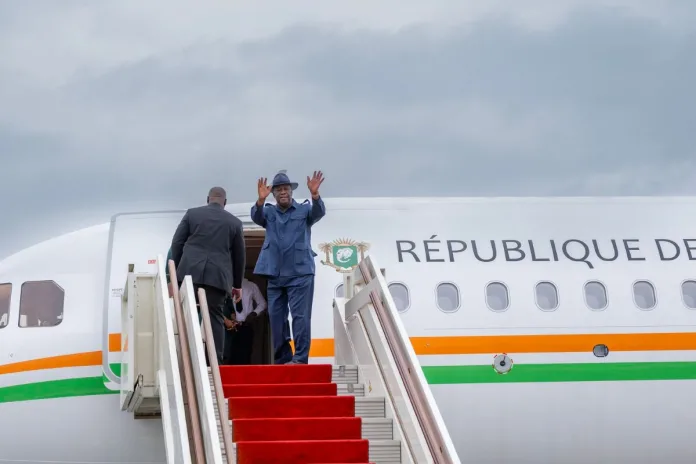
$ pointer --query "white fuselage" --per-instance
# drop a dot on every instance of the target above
(563, 401)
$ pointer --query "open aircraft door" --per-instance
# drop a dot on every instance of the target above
(137, 239)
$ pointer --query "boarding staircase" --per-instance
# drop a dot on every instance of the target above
(372, 406)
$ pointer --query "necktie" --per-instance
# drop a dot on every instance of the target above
(238, 307)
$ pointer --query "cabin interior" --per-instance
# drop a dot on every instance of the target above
(262, 351)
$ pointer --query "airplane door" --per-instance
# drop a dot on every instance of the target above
(134, 238)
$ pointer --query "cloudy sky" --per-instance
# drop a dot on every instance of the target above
(108, 106)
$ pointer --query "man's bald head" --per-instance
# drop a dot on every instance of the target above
(217, 195)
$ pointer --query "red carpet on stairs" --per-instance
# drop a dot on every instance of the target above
(279, 374)
(292, 414)
(298, 428)
(248, 407)
(288, 389)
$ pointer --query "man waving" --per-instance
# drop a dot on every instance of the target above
(287, 260)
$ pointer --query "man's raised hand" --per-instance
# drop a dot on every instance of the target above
(314, 183)
(264, 190)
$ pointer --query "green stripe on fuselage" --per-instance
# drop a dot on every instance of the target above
(581, 372)
(435, 375)
(66, 388)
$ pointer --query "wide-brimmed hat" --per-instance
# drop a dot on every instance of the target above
(282, 179)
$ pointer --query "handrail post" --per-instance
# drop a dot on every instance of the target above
(348, 286)
(199, 454)
(217, 381)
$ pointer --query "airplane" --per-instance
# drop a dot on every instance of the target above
(549, 329)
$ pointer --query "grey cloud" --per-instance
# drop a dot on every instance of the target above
(599, 105)
(625, 85)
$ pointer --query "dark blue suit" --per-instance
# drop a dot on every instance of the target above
(287, 260)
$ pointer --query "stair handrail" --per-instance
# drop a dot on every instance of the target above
(217, 380)
(169, 374)
(201, 376)
(189, 384)
(431, 423)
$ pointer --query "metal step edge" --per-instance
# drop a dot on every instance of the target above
(351, 389)
(344, 388)
(344, 374)
(373, 428)
(377, 428)
(370, 406)
(379, 433)
(348, 375)
(383, 451)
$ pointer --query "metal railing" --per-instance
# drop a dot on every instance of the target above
(206, 409)
(429, 420)
(191, 400)
(169, 377)
(217, 381)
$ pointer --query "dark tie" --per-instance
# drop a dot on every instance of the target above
(238, 306)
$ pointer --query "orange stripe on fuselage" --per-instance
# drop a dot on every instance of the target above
(115, 342)
(89, 358)
(579, 343)
(492, 344)
(487, 344)
(320, 348)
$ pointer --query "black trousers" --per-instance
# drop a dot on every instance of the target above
(238, 345)
(216, 300)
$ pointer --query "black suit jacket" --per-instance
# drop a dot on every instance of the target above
(208, 245)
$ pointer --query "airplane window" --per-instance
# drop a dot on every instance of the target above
(546, 296)
(447, 297)
(497, 296)
(644, 295)
(339, 291)
(41, 304)
(399, 293)
(595, 296)
(689, 293)
(5, 296)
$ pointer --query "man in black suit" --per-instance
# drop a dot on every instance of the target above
(208, 245)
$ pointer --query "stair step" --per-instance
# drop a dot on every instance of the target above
(369, 406)
(275, 374)
(344, 374)
(302, 452)
(377, 428)
(254, 407)
(355, 389)
(339, 374)
(297, 428)
(372, 428)
(281, 389)
(385, 451)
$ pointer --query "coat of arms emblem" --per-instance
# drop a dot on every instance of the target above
(343, 254)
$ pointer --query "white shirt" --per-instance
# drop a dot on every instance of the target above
(250, 294)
